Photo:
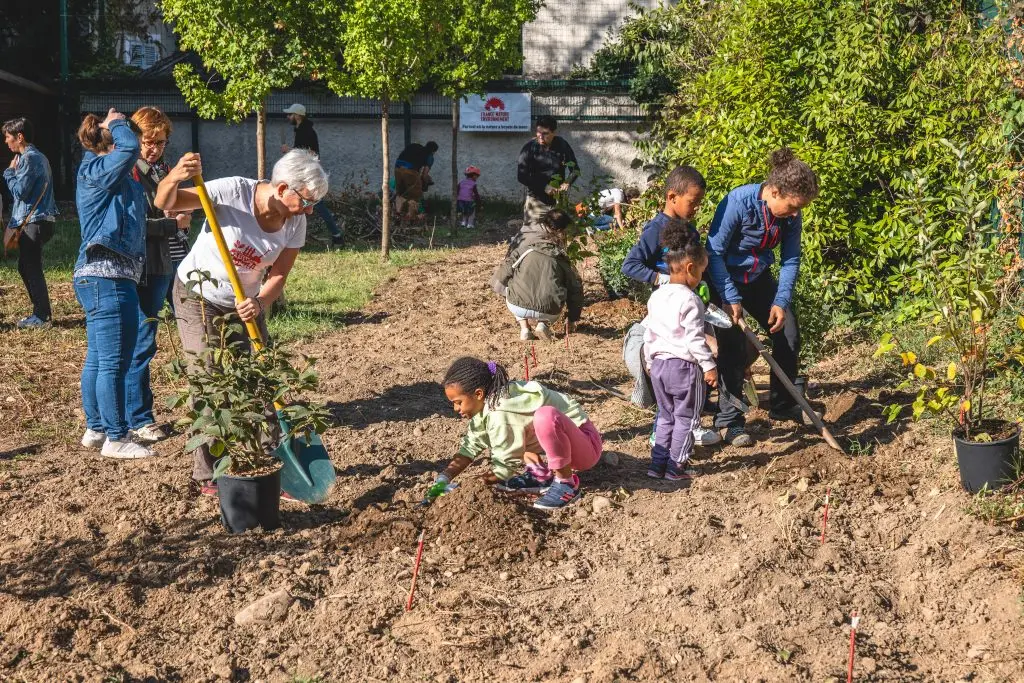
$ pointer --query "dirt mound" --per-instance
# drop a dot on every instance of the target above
(478, 520)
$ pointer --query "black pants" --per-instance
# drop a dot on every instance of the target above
(30, 265)
(732, 349)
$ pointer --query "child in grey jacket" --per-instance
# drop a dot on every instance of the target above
(538, 281)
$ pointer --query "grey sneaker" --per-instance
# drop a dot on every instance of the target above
(544, 332)
(32, 322)
(93, 440)
(737, 436)
(706, 437)
(526, 335)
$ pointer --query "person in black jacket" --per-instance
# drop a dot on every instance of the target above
(412, 177)
(546, 159)
(161, 231)
(305, 138)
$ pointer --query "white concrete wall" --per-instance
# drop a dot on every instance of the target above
(351, 151)
(567, 33)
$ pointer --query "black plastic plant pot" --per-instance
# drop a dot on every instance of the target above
(250, 502)
(987, 463)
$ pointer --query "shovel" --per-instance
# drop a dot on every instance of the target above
(793, 391)
(307, 472)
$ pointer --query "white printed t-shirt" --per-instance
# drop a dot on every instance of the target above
(607, 199)
(253, 250)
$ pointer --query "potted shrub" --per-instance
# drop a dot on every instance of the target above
(228, 399)
(968, 282)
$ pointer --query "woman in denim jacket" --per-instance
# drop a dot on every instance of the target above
(112, 213)
(31, 184)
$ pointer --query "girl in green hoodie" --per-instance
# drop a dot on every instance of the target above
(520, 422)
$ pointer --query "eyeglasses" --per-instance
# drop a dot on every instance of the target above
(306, 203)
(155, 144)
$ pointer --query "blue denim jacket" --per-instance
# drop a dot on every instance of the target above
(27, 181)
(741, 243)
(111, 203)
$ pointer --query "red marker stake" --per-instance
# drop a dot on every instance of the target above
(824, 522)
(415, 573)
(567, 336)
(854, 620)
(533, 350)
(526, 367)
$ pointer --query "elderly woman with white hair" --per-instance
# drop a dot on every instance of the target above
(264, 225)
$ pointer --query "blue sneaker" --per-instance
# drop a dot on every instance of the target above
(680, 472)
(559, 494)
(523, 483)
(32, 322)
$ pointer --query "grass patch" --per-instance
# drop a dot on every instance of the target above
(324, 288)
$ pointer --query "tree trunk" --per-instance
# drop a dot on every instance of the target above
(385, 199)
(455, 165)
(261, 142)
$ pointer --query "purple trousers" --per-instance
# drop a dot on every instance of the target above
(680, 389)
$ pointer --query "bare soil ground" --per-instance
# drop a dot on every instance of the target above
(118, 571)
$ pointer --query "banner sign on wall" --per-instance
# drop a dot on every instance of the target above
(496, 112)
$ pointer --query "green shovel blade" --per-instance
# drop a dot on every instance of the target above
(307, 472)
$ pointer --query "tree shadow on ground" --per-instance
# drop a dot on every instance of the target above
(407, 403)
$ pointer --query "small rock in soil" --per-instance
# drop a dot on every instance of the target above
(418, 431)
(868, 665)
(600, 504)
(610, 458)
(802, 485)
(269, 608)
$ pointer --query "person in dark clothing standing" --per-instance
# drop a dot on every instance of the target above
(412, 177)
(305, 138)
(540, 161)
(33, 211)
(161, 232)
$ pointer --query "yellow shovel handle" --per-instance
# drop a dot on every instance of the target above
(225, 255)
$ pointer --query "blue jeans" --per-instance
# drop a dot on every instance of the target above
(138, 408)
(111, 326)
(604, 222)
(321, 210)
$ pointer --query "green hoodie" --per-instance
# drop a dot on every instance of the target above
(503, 429)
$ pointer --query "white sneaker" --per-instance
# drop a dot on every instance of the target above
(149, 433)
(706, 437)
(544, 332)
(126, 449)
(93, 439)
(526, 335)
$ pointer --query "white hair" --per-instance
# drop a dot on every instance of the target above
(300, 169)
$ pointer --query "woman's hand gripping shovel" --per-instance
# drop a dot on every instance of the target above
(307, 472)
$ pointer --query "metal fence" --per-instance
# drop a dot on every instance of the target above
(567, 100)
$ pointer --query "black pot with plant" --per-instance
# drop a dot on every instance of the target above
(971, 289)
(228, 397)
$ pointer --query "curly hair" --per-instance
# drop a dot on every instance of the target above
(470, 374)
(680, 242)
(791, 176)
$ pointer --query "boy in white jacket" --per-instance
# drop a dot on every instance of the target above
(677, 353)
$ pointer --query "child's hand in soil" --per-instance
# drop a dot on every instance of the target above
(532, 458)
(490, 478)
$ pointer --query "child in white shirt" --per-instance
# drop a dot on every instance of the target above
(677, 353)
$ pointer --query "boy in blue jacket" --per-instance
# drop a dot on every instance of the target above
(684, 191)
(748, 224)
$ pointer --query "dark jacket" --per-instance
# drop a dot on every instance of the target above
(414, 157)
(539, 164)
(741, 245)
(111, 204)
(538, 276)
(159, 228)
(305, 137)
(644, 261)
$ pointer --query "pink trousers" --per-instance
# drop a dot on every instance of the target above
(565, 444)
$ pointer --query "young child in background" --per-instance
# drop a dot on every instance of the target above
(538, 280)
(469, 198)
(520, 422)
(677, 352)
